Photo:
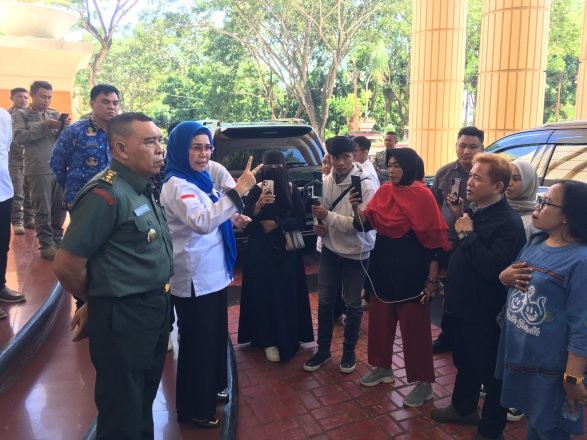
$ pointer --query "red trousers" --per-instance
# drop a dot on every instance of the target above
(414, 323)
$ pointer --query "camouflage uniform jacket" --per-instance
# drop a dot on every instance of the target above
(29, 129)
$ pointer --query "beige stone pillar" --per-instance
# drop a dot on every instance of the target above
(512, 65)
(437, 70)
(581, 111)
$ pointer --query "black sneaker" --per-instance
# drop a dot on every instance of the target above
(316, 361)
(348, 362)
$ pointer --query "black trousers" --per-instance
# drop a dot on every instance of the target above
(5, 210)
(202, 361)
(474, 349)
(128, 343)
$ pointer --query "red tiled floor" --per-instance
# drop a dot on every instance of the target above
(330, 405)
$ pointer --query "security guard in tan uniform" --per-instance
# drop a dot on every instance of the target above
(117, 256)
(37, 128)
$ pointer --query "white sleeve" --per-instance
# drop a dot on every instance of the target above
(192, 207)
(223, 180)
(5, 130)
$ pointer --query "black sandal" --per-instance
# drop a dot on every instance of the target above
(222, 396)
(206, 423)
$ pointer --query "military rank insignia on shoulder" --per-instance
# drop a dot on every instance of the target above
(109, 176)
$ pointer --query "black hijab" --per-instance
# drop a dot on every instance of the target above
(412, 164)
(283, 201)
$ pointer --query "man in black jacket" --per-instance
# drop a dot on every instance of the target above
(490, 235)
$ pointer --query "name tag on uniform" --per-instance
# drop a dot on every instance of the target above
(141, 210)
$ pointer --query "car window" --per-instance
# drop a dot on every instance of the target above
(567, 162)
(537, 155)
(236, 159)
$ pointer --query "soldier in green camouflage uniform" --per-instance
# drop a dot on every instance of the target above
(117, 256)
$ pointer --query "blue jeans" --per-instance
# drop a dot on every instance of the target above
(554, 434)
(333, 271)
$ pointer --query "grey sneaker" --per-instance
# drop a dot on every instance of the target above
(419, 394)
(377, 376)
(316, 361)
(450, 415)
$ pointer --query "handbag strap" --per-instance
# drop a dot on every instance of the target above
(339, 198)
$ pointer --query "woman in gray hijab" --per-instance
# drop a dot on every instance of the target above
(521, 192)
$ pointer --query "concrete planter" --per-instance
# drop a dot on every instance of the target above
(366, 125)
(34, 20)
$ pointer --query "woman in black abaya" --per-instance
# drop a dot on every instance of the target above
(275, 309)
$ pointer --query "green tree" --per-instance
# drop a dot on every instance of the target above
(473, 43)
(302, 42)
(101, 20)
(563, 59)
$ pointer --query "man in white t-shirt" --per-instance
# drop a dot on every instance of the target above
(361, 156)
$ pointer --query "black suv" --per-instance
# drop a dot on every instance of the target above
(556, 150)
(234, 143)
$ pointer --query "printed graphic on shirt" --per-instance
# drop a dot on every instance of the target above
(527, 310)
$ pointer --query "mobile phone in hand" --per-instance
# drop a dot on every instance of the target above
(316, 202)
(63, 117)
(455, 190)
(356, 184)
(267, 186)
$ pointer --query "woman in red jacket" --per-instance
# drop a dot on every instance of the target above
(411, 235)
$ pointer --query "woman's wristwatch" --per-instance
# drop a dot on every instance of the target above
(463, 234)
(573, 380)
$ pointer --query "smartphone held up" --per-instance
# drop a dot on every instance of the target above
(316, 202)
(267, 186)
(455, 190)
(356, 185)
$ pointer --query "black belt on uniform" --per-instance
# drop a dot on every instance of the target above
(534, 370)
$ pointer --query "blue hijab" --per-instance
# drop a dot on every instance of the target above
(178, 165)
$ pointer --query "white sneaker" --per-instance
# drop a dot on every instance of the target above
(272, 354)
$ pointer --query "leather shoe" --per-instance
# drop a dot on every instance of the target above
(10, 296)
(214, 422)
(450, 415)
(483, 437)
(48, 253)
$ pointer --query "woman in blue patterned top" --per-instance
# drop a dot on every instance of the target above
(543, 348)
